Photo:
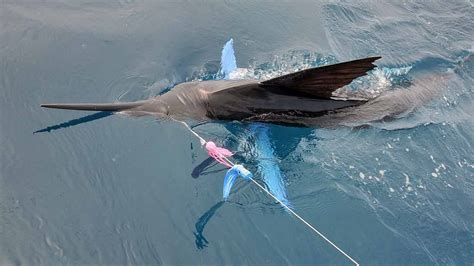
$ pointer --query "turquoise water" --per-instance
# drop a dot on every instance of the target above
(123, 190)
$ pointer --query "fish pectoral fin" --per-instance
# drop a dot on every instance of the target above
(321, 82)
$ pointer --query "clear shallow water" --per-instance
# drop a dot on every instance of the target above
(120, 190)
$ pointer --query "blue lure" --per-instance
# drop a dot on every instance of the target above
(231, 176)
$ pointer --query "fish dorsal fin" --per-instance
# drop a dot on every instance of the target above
(320, 82)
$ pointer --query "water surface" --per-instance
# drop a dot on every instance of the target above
(120, 190)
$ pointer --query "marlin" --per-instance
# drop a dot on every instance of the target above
(294, 99)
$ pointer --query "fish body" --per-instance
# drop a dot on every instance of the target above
(289, 99)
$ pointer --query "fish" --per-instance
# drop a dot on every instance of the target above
(291, 99)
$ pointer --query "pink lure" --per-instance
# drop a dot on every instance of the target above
(219, 154)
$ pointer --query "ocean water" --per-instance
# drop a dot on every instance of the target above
(110, 189)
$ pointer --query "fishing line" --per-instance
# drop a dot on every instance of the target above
(231, 165)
